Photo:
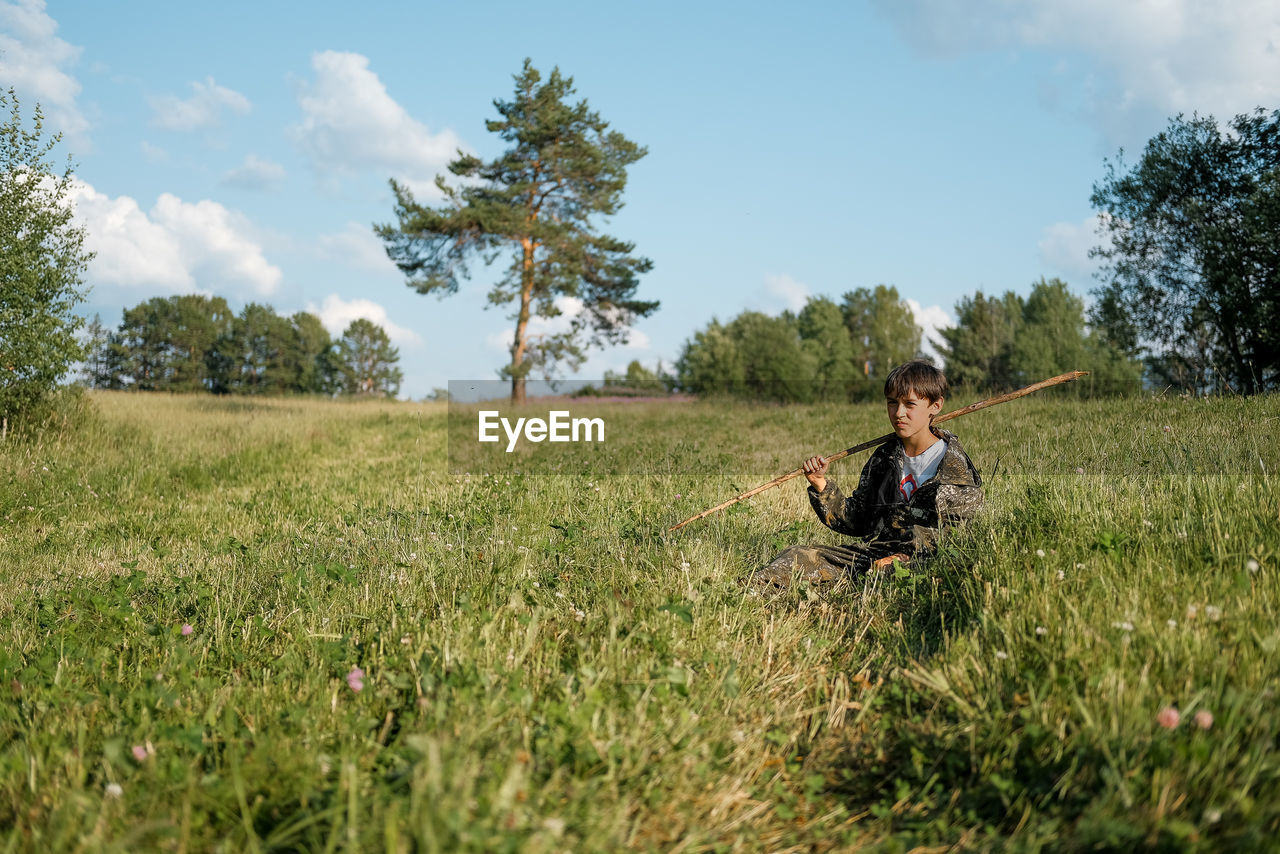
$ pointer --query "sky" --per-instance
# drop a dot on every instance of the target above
(244, 149)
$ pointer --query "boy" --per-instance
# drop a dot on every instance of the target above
(910, 487)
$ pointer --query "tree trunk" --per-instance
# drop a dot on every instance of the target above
(520, 344)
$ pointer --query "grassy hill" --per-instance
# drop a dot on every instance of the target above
(307, 625)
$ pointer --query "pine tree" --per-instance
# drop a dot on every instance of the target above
(538, 200)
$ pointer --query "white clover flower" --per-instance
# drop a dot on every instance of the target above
(1251, 565)
(537, 584)
(1061, 575)
(1173, 624)
(685, 565)
(1192, 611)
(1125, 625)
(1002, 655)
(559, 594)
(580, 615)
(114, 790)
(1213, 816)
(1213, 612)
(1041, 630)
(1039, 552)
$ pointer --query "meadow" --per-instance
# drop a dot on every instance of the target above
(265, 625)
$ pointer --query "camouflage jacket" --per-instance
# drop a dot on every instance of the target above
(877, 513)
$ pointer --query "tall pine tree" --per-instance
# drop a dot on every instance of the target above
(538, 201)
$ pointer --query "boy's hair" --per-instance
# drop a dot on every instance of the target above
(921, 377)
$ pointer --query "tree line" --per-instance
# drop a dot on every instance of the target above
(832, 351)
(192, 343)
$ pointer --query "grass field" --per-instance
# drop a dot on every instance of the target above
(252, 625)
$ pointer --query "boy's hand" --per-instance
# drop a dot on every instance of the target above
(815, 469)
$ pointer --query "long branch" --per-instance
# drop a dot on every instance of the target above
(973, 407)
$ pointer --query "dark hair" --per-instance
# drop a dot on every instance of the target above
(921, 377)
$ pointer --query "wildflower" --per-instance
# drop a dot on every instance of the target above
(1079, 470)
(1173, 624)
(684, 565)
(355, 680)
(1002, 655)
(186, 629)
(1213, 816)
(1126, 625)
(1192, 611)
(537, 584)
(1204, 719)
(140, 752)
(114, 790)
(1061, 575)
(1213, 612)
(580, 615)
(1041, 630)
(1039, 552)
(559, 594)
(1167, 428)
(1169, 717)
(413, 555)
(677, 496)
(1251, 565)
(405, 640)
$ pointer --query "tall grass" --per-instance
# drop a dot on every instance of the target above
(546, 668)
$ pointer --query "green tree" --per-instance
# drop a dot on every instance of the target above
(978, 350)
(98, 368)
(826, 339)
(143, 344)
(883, 331)
(1051, 337)
(367, 361)
(711, 363)
(252, 356)
(775, 365)
(1191, 258)
(42, 264)
(308, 355)
(538, 200)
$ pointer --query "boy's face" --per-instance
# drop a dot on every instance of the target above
(911, 414)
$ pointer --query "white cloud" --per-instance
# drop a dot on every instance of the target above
(154, 153)
(178, 246)
(254, 174)
(1156, 58)
(781, 288)
(336, 314)
(351, 124)
(202, 110)
(34, 61)
(357, 246)
(931, 319)
(1064, 247)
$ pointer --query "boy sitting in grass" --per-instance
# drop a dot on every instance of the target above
(912, 486)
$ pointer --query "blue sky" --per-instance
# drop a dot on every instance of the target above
(244, 149)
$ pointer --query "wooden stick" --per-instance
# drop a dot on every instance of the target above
(973, 407)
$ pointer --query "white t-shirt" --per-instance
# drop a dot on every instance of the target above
(918, 469)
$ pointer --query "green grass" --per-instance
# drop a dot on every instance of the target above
(548, 669)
